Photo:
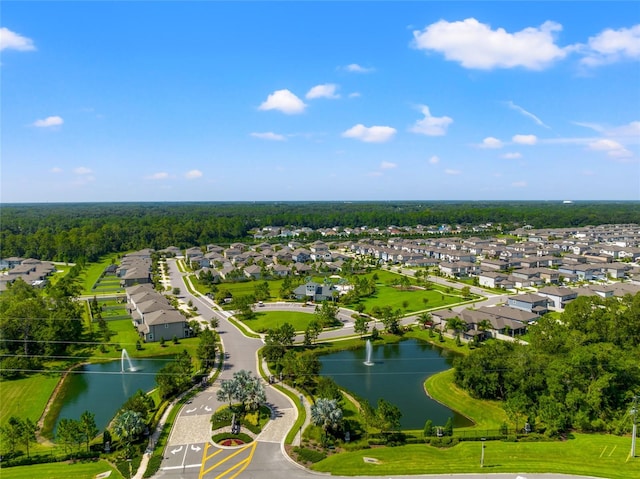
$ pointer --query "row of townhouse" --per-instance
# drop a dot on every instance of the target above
(153, 315)
(135, 268)
(31, 271)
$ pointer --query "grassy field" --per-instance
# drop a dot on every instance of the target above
(417, 299)
(485, 414)
(593, 455)
(92, 273)
(273, 319)
(61, 470)
(26, 397)
(126, 337)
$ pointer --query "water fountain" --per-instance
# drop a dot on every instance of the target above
(125, 357)
(368, 361)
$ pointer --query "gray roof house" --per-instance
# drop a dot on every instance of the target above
(314, 292)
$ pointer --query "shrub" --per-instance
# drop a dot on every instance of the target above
(153, 465)
(309, 455)
(216, 438)
(444, 441)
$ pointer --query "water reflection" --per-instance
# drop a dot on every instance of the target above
(398, 375)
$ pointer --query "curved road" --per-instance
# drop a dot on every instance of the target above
(189, 453)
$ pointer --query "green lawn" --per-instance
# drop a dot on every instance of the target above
(273, 319)
(92, 273)
(26, 397)
(592, 455)
(485, 414)
(126, 337)
(61, 470)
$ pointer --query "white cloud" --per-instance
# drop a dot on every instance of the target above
(452, 172)
(434, 160)
(55, 170)
(525, 139)
(491, 142)
(161, 175)
(512, 156)
(49, 122)
(355, 94)
(373, 134)
(355, 68)
(519, 184)
(526, 113)
(476, 45)
(193, 174)
(387, 165)
(431, 125)
(611, 147)
(611, 46)
(284, 101)
(328, 90)
(375, 173)
(269, 135)
(82, 170)
(13, 41)
(630, 130)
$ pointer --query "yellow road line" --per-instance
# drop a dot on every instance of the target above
(247, 461)
(227, 458)
(204, 458)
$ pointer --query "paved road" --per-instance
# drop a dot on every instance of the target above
(189, 454)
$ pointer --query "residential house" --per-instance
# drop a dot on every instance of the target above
(558, 296)
(531, 303)
(316, 292)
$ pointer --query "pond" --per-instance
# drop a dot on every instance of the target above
(397, 374)
(103, 388)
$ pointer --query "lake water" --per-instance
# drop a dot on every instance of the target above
(102, 388)
(397, 375)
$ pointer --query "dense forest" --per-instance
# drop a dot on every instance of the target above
(72, 232)
(580, 372)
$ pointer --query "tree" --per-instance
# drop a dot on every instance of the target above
(227, 391)
(69, 433)
(207, 348)
(140, 402)
(314, 328)
(327, 314)
(175, 377)
(261, 291)
(244, 388)
(456, 324)
(361, 325)
(425, 320)
(388, 416)
(391, 319)
(176, 291)
(326, 414)
(244, 306)
(466, 292)
(128, 425)
(301, 368)
(87, 426)
(427, 431)
(448, 427)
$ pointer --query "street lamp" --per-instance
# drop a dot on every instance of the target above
(482, 454)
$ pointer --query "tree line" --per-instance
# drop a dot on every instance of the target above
(85, 231)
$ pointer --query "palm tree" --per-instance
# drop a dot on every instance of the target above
(227, 391)
(327, 414)
(484, 325)
(128, 425)
(425, 320)
(456, 324)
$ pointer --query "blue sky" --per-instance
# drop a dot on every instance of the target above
(222, 101)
